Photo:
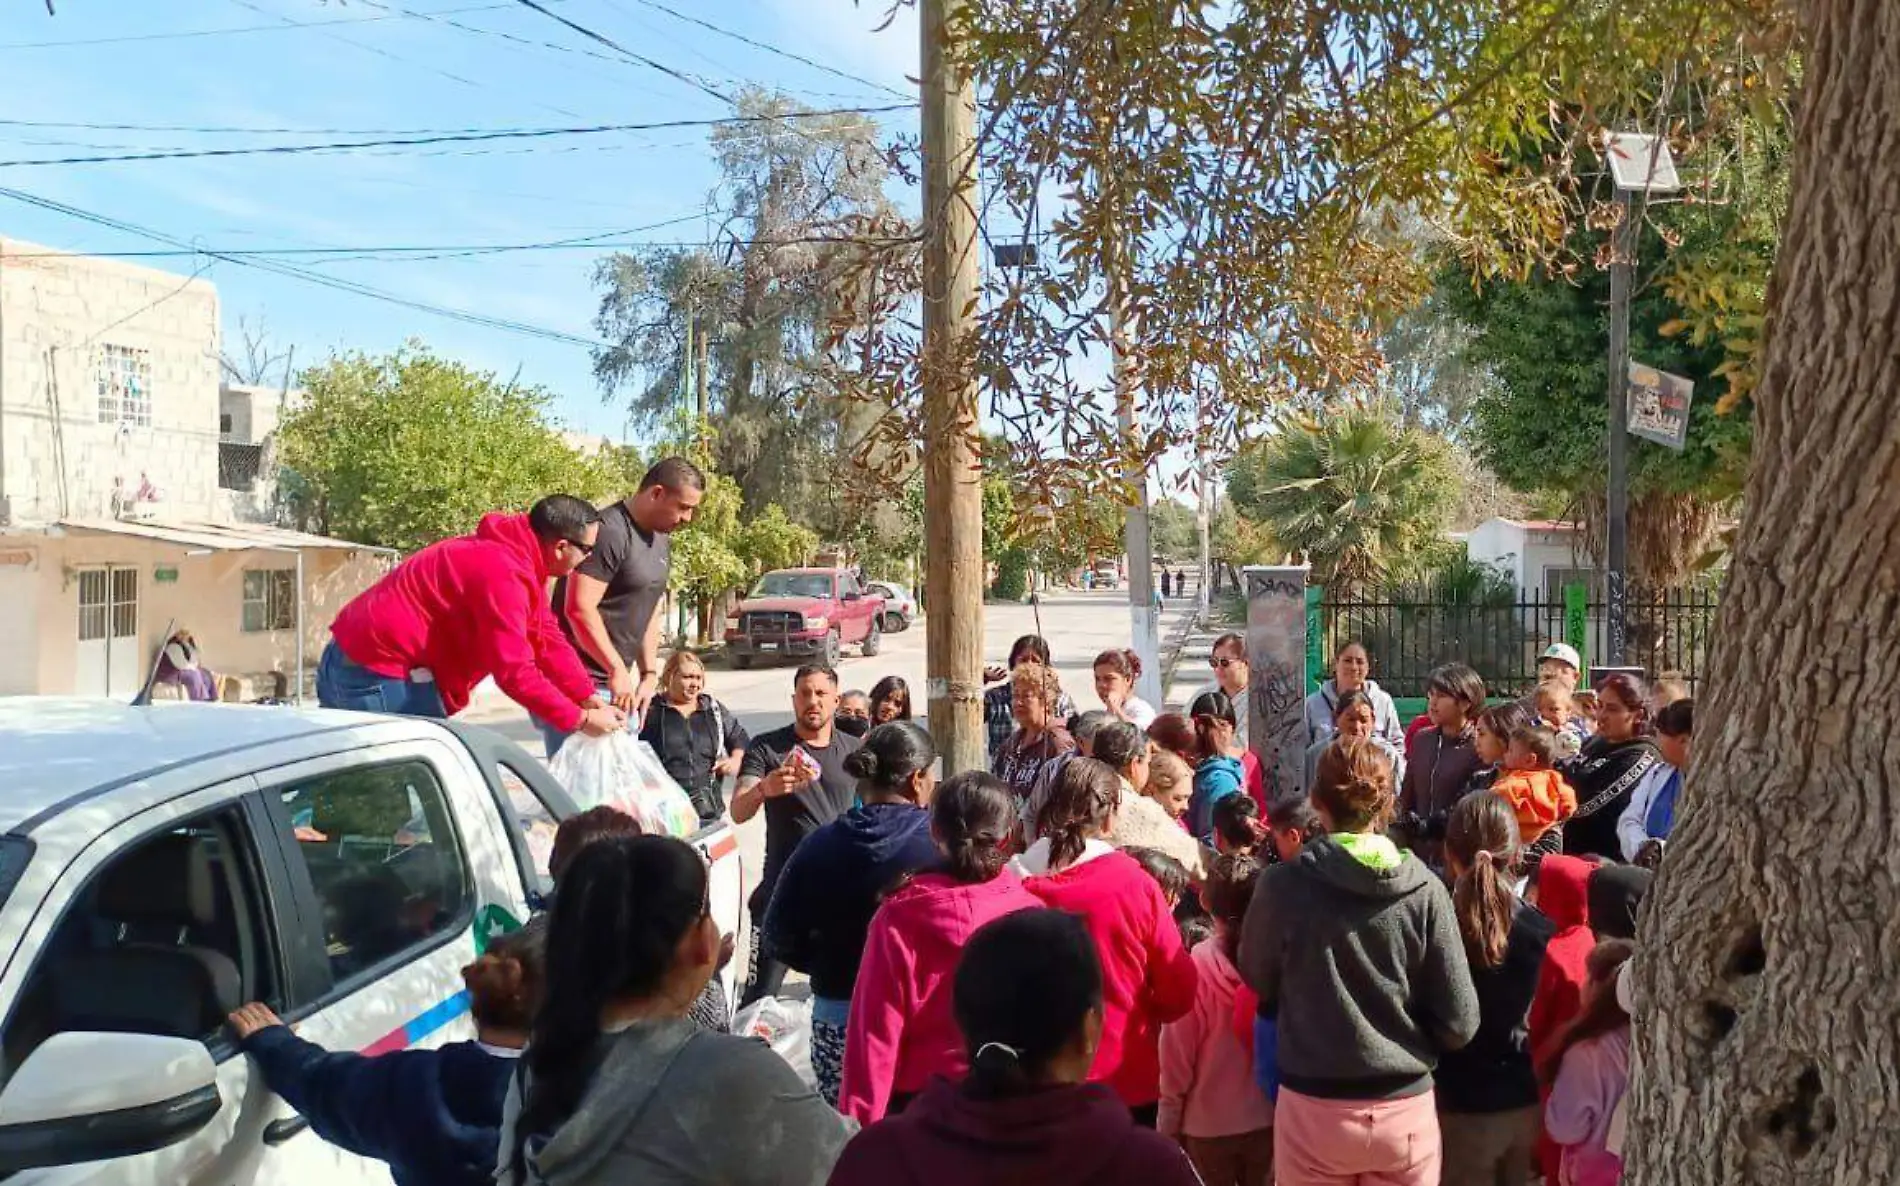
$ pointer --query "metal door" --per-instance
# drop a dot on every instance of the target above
(109, 662)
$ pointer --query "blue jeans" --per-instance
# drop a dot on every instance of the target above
(343, 683)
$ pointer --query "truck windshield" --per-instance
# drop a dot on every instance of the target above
(794, 584)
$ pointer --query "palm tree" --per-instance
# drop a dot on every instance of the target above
(1360, 495)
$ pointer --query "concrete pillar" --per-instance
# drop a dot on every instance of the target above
(1276, 651)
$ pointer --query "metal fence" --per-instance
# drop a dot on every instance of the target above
(1502, 636)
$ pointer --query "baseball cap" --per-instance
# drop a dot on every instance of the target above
(1563, 653)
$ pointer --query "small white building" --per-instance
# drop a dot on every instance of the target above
(1540, 555)
(121, 513)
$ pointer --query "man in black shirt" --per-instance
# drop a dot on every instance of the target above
(609, 606)
(797, 776)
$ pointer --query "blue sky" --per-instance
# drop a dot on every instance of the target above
(367, 67)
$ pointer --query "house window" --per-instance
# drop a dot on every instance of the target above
(1556, 578)
(125, 386)
(270, 600)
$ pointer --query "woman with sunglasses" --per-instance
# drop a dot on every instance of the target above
(1231, 678)
(617, 1085)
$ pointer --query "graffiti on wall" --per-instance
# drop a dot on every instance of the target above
(1276, 650)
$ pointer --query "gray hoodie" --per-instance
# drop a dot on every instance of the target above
(671, 1105)
(1356, 952)
(1385, 714)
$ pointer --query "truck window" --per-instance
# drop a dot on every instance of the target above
(384, 860)
(167, 938)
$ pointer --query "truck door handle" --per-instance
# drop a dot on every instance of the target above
(279, 1131)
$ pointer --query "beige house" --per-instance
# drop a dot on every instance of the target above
(136, 496)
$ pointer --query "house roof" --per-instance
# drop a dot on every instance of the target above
(1542, 524)
(217, 537)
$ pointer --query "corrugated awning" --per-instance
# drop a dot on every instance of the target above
(217, 537)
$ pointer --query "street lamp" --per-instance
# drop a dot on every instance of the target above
(1639, 164)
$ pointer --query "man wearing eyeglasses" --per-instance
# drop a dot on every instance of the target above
(418, 641)
(1231, 674)
(610, 606)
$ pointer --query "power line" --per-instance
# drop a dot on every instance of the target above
(610, 43)
(277, 28)
(529, 42)
(771, 49)
(290, 271)
(408, 252)
(454, 138)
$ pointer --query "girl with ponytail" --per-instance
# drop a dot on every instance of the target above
(901, 1031)
(1487, 1091)
(1355, 953)
(617, 1085)
(1149, 978)
(1029, 1001)
(821, 910)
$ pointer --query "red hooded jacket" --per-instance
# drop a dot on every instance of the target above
(465, 609)
(1563, 894)
(1148, 977)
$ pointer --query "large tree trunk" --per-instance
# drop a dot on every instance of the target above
(1768, 1027)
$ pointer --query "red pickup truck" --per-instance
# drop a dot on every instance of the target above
(809, 613)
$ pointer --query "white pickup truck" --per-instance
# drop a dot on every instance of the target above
(160, 865)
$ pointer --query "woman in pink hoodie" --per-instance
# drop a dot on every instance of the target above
(902, 1030)
(1208, 1098)
(1148, 977)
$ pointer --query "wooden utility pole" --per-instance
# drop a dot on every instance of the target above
(953, 475)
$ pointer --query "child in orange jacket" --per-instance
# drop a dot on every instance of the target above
(1538, 794)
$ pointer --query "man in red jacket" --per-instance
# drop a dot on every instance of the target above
(419, 640)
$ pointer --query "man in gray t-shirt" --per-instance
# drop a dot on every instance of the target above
(609, 606)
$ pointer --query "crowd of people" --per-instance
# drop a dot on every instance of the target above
(1121, 954)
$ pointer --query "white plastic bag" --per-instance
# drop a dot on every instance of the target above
(619, 770)
(783, 1025)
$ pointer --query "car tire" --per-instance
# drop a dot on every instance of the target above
(834, 649)
(742, 662)
(893, 623)
(874, 640)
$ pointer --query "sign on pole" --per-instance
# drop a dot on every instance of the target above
(1659, 405)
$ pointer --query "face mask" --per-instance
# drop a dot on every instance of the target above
(853, 726)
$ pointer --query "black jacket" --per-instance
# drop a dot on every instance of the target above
(1605, 774)
(689, 746)
(1494, 1073)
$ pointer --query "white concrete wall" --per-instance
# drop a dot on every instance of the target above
(56, 311)
(39, 605)
(1498, 542)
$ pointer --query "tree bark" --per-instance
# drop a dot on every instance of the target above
(1768, 1012)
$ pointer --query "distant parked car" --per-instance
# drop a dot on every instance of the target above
(900, 608)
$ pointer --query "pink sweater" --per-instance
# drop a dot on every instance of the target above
(902, 1029)
(1148, 978)
(1207, 1083)
(1594, 1075)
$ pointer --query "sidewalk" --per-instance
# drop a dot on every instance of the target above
(1186, 663)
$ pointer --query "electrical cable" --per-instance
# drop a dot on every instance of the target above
(191, 33)
(453, 138)
(278, 268)
(696, 83)
(771, 49)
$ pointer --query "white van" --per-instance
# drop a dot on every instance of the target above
(161, 865)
